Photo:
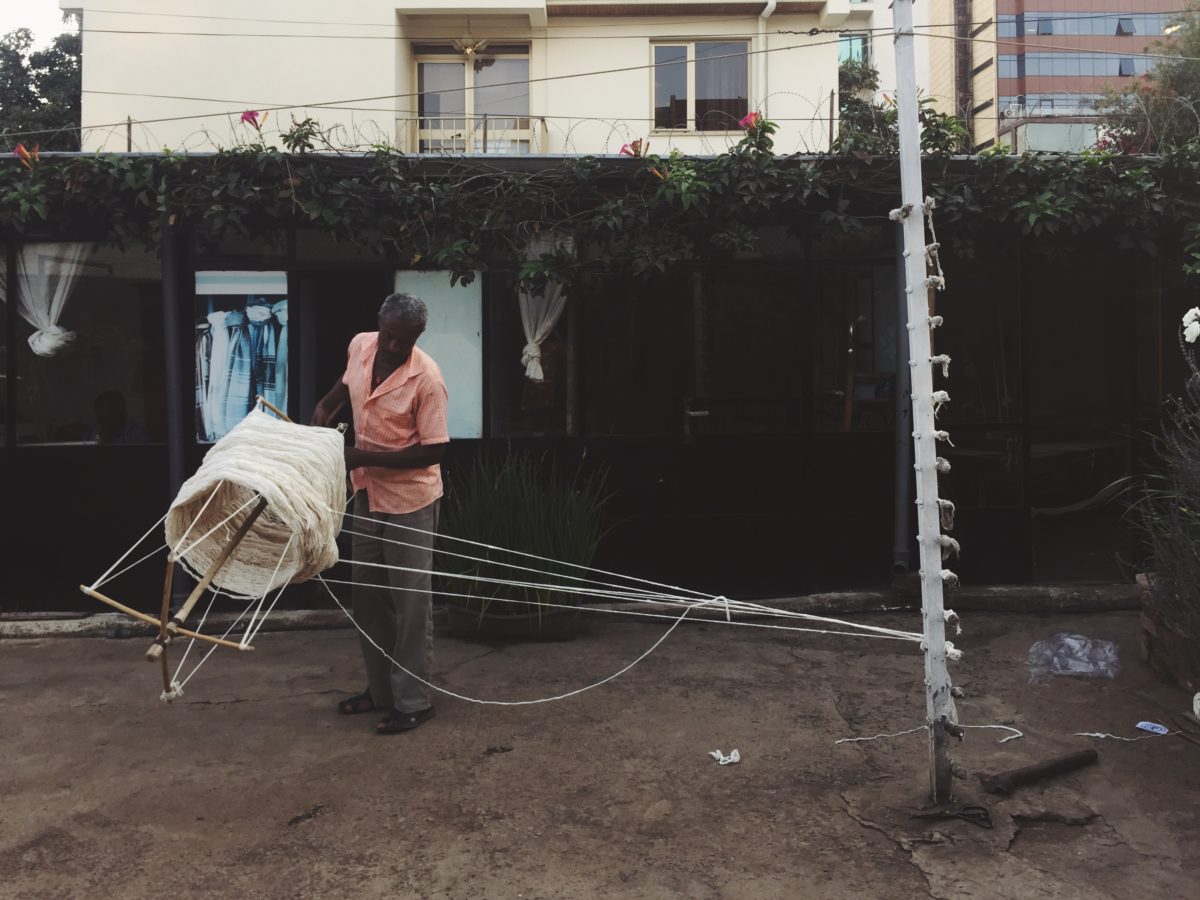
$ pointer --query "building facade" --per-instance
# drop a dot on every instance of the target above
(1028, 73)
(527, 76)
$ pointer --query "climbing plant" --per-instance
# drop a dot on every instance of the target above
(640, 213)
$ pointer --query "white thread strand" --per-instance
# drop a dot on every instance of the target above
(876, 737)
(213, 648)
(623, 590)
(254, 617)
(199, 627)
(195, 519)
(624, 612)
(192, 546)
(1012, 737)
(556, 697)
(133, 565)
(1016, 733)
(571, 589)
(125, 555)
(535, 556)
(1117, 737)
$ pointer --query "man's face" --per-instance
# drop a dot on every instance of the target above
(397, 338)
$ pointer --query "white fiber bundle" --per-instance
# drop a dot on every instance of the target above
(300, 471)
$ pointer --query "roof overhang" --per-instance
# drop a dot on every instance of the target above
(535, 10)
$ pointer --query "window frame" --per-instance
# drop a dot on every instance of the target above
(468, 135)
(689, 44)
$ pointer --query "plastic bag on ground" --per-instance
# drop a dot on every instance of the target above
(1065, 653)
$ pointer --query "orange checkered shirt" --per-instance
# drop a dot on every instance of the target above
(408, 408)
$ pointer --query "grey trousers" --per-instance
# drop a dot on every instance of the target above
(395, 608)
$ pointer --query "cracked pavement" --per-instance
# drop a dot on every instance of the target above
(250, 785)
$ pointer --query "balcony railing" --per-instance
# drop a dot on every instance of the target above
(509, 135)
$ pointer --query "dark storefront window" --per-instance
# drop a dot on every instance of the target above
(631, 356)
(89, 346)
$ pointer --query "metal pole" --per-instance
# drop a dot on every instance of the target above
(938, 703)
(901, 554)
(832, 94)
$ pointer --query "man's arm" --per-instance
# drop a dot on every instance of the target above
(329, 405)
(418, 456)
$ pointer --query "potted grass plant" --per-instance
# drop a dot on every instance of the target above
(1167, 515)
(517, 502)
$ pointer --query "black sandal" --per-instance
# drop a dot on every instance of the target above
(359, 703)
(397, 722)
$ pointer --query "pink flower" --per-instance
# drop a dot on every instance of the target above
(27, 157)
(635, 148)
(750, 120)
(250, 117)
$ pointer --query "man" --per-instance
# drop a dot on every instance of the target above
(399, 401)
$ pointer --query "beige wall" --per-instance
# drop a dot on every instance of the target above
(940, 51)
(214, 78)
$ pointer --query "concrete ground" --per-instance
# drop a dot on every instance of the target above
(251, 786)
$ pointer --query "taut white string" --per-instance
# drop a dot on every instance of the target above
(621, 612)
(246, 638)
(564, 696)
(195, 519)
(571, 589)
(448, 537)
(125, 555)
(623, 590)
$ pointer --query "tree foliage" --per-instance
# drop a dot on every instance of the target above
(1159, 111)
(869, 127)
(641, 215)
(40, 91)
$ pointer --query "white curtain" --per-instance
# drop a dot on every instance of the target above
(281, 355)
(540, 312)
(46, 275)
(262, 342)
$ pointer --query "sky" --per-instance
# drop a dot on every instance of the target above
(42, 17)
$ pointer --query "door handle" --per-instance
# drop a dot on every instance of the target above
(695, 413)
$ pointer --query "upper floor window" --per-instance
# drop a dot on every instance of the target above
(701, 85)
(472, 103)
(1086, 23)
(855, 47)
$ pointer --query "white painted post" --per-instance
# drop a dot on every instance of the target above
(938, 702)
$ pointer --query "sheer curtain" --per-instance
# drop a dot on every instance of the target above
(46, 275)
(280, 311)
(262, 342)
(230, 372)
(722, 76)
(540, 312)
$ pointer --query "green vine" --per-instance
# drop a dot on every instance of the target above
(642, 214)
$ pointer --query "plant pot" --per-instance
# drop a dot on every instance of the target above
(1168, 652)
(546, 624)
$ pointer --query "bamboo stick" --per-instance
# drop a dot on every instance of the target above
(272, 407)
(181, 616)
(142, 617)
(158, 650)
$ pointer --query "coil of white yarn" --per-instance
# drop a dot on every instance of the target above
(299, 470)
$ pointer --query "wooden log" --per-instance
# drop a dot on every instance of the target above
(142, 617)
(181, 616)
